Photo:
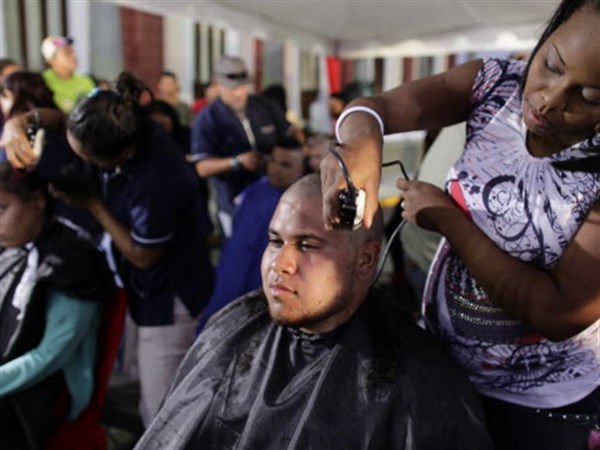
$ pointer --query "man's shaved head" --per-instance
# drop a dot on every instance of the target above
(309, 187)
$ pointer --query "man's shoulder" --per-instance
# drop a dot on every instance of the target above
(215, 110)
(212, 117)
(258, 190)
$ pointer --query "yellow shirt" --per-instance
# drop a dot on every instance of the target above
(67, 92)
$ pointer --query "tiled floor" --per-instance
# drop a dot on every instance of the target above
(121, 418)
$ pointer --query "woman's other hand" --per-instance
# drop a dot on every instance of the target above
(425, 204)
(16, 143)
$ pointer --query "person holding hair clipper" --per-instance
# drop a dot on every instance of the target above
(514, 287)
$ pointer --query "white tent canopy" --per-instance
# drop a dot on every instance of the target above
(373, 27)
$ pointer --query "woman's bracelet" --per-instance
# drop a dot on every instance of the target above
(364, 109)
(235, 163)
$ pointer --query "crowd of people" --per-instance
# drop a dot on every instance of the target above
(258, 324)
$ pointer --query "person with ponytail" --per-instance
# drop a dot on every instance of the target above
(53, 286)
(150, 208)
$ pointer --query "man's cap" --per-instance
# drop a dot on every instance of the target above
(231, 72)
(51, 44)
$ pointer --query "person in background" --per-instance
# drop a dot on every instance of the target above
(317, 359)
(204, 95)
(166, 116)
(53, 286)
(61, 77)
(317, 148)
(238, 271)
(276, 93)
(514, 287)
(232, 135)
(7, 66)
(23, 91)
(167, 90)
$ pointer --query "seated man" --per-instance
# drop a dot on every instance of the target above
(316, 359)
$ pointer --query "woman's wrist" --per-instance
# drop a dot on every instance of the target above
(235, 163)
(355, 109)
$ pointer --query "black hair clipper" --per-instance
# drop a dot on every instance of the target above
(351, 201)
(37, 139)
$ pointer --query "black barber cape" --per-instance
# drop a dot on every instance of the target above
(377, 382)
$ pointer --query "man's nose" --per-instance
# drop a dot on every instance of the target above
(284, 261)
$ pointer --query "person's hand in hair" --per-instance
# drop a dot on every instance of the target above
(77, 186)
(80, 199)
(16, 143)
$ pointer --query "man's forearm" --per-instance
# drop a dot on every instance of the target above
(215, 166)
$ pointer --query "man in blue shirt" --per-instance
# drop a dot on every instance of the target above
(238, 271)
(231, 136)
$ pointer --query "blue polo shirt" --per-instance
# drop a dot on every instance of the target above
(217, 132)
(155, 195)
(238, 271)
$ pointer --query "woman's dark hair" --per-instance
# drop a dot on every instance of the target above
(108, 122)
(30, 91)
(563, 12)
(21, 183)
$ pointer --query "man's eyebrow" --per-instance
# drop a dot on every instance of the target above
(306, 236)
(301, 236)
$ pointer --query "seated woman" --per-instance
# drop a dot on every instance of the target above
(52, 288)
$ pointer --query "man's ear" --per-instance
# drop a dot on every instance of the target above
(368, 259)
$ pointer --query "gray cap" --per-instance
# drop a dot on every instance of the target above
(231, 72)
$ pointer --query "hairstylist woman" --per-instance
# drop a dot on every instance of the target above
(515, 286)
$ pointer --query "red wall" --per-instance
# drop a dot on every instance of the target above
(142, 44)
